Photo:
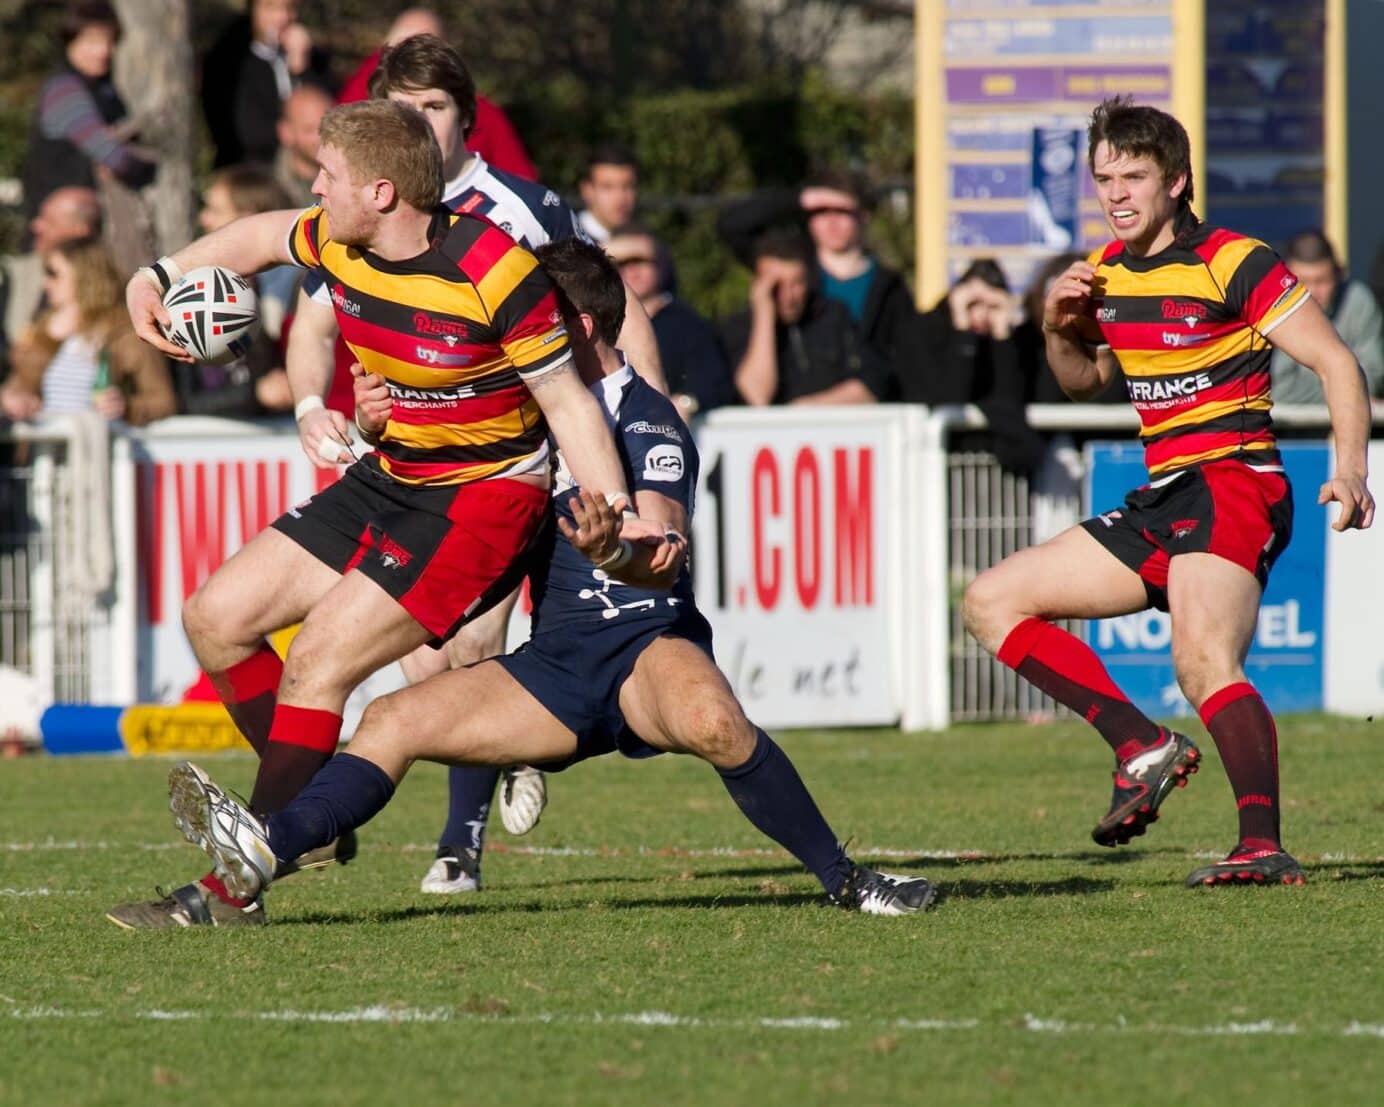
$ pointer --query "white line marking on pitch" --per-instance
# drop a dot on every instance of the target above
(731, 852)
(36, 892)
(1029, 1023)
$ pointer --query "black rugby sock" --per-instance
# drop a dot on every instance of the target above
(347, 792)
(470, 789)
(768, 789)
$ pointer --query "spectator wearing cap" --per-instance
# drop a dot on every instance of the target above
(694, 364)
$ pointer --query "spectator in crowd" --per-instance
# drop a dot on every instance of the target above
(256, 384)
(492, 135)
(65, 214)
(1351, 307)
(967, 355)
(295, 165)
(1040, 386)
(694, 364)
(249, 72)
(609, 190)
(80, 132)
(794, 345)
(81, 352)
(832, 207)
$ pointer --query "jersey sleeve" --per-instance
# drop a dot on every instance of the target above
(523, 309)
(659, 458)
(1087, 326)
(558, 220)
(1263, 291)
(306, 236)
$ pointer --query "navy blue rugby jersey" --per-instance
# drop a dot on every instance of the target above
(658, 455)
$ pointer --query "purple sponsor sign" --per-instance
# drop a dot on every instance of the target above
(1026, 84)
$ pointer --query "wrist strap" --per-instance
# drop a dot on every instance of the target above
(167, 272)
(307, 404)
(619, 558)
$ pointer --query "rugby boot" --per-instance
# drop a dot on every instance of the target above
(1249, 866)
(873, 893)
(1142, 783)
(523, 795)
(457, 869)
(232, 836)
(190, 905)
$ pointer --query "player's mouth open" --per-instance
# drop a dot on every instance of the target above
(1123, 216)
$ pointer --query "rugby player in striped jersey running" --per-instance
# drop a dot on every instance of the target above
(1189, 313)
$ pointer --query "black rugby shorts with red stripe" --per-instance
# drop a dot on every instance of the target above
(446, 553)
(1224, 508)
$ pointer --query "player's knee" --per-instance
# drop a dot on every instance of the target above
(1201, 673)
(716, 730)
(985, 605)
(207, 616)
(475, 642)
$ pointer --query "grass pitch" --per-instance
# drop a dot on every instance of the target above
(644, 945)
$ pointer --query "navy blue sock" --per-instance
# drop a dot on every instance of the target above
(768, 789)
(346, 793)
(470, 789)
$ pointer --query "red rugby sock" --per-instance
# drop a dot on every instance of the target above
(301, 741)
(250, 690)
(1247, 740)
(1067, 669)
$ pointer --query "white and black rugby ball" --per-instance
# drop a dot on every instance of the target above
(212, 314)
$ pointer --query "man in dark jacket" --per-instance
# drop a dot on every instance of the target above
(795, 345)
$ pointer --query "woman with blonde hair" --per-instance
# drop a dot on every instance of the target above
(81, 352)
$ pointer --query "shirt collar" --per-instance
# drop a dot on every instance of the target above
(611, 389)
(467, 178)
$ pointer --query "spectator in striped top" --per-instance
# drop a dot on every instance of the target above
(81, 352)
(80, 132)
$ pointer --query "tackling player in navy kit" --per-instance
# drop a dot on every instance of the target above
(620, 659)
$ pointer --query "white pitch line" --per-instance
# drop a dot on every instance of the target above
(36, 892)
(1027, 1023)
(672, 852)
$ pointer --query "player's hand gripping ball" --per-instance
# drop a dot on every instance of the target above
(212, 313)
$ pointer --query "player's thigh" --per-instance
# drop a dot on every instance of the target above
(356, 628)
(676, 699)
(1214, 605)
(1071, 576)
(475, 716)
(269, 583)
(483, 636)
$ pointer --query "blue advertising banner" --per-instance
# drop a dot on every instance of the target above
(1055, 187)
(1285, 662)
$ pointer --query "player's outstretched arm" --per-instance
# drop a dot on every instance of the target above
(638, 341)
(580, 429)
(1080, 374)
(646, 562)
(1308, 337)
(245, 246)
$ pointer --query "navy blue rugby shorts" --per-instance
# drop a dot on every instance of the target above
(576, 672)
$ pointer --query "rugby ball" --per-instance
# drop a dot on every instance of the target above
(212, 314)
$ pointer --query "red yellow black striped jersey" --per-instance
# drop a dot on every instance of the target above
(455, 331)
(1189, 327)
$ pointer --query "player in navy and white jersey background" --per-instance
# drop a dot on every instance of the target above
(620, 659)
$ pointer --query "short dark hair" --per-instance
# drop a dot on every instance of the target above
(784, 244)
(588, 280)
(78, 17)
(252, 188)
(987, 270)
(1137, 130)
(1311, 246)
(840, 179)
(425, 61)
(610, 153)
